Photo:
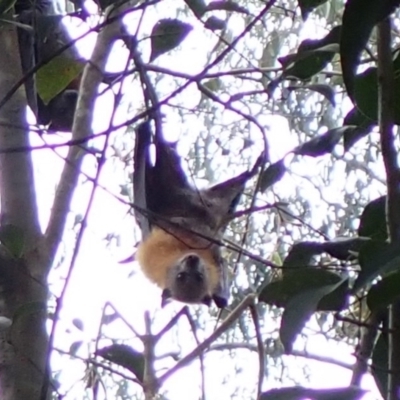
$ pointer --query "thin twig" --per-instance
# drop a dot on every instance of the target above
(207, 92)
(171, 323)
(294, 353)
(135, 332)
(150, 382)
(201, 357)
(230, 319)
(253, 210)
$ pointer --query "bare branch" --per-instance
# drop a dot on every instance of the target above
(150, 383)
(91, 79)
(202, 369)
(232, 317)
(183, 311)
(295, 353)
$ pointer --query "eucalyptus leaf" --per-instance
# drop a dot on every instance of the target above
(126, 357)
(298, 311)
(166, 35)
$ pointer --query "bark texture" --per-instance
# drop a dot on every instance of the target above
(23, 286)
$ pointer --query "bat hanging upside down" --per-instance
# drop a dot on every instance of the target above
(181, 226)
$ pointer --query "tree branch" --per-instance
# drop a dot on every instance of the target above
(230, 319)
(390, 154)
(150, 384)
(82, 128)
(295, 353)
(367, 343)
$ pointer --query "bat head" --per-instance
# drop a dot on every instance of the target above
(188, 281)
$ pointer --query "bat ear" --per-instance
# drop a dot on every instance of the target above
(207, 300)
(220, 302)
(166, 297)
(222, 291)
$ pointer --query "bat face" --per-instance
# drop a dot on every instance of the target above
(189, 281)
(181, 269)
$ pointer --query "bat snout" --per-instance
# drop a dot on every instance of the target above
(192, 271)
(192, 261)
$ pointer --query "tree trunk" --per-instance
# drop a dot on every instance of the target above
(23, 274)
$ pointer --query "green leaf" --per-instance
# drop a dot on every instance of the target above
(322, 144)
(359, 18)
(301, 254)
(214, 23)
(279, 293)
(126, 357)
(384, 292)
(299, 309)
(226, 5)
(274, 173)
(364, 127)
(74, 348)
(300, 393)
(312, 56)
(327, 91)
(376, 258)
(54, 77)
(167, 34)
(78, 323)
(344, 249)
(13, 239)
(307, 63)
(366, 94)
(213, 85)
(373, 220)
(306, 6)
(198, 7)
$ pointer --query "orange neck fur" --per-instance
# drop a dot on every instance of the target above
(161, 250)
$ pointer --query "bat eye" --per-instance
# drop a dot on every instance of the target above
(182, 276)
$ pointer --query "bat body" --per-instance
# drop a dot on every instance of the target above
(181, 226)
(41, 43)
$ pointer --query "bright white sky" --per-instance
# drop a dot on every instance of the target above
(98, 277)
